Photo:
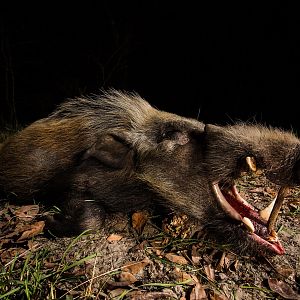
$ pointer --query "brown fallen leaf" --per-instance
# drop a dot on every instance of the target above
(11, 253)
(126, 277)
(141, 246)
(210, 272)
(114, 294)
(20, 227)
(222, 262)
(286, 272)
(34, 230)
(234, 267)
(198, 293)
(176, 259)
(195, 255)
(139, 220)
(15, 230)
(136, 268)
(114, 238)
(217, 296)
(183, 277)
(112, 285)
(283, 289)
(27, 212)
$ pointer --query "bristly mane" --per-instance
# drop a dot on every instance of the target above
(111, 108)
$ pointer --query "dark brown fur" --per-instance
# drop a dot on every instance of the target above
(115, 152)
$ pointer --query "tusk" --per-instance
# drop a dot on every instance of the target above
(250, 160)
(228, 209)
(249, 225)
(276, 209)
(266, 212)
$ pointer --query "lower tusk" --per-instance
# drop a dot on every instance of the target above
(266, 212)
(249, 225)
(276, 209)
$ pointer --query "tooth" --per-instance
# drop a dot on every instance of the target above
(276, 209)
(225, 205)
(266, 212)
(250, 160)
(249, 225)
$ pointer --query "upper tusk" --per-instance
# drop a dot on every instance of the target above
(224, 204)
(250, 160)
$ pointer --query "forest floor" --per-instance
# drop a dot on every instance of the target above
(132, 258)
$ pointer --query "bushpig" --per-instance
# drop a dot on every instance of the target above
(115, 152)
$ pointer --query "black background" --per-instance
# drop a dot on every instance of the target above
(217, 62)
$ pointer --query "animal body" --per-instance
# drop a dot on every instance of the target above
(114, 152)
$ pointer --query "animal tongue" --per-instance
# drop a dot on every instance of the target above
(253, 222)
(243, 209)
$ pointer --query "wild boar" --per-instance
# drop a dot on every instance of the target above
(114, 152)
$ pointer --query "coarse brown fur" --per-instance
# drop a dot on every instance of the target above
(115, 152)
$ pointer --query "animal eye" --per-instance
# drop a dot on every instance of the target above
(170, 134)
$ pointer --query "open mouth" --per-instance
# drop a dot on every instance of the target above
(259, 225)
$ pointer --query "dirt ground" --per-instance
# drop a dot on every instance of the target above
(133, 258)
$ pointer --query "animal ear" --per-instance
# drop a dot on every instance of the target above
(111, 151)
(213, 135)
(213, 129)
